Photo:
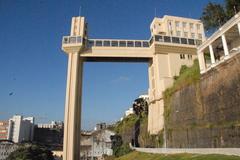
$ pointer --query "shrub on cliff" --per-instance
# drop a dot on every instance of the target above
(187, 76)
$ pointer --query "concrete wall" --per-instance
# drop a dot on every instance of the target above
(207, 114)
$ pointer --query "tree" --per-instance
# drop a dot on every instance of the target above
(232, 7)
(31, 152)
(213, 16)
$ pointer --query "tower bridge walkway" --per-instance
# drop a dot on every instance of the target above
(127, 50)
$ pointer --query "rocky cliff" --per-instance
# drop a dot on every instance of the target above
(206, 113)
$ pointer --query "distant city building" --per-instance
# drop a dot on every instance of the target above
(3, 130)
(177, 27)
(6, 148)
(20, 129)
(144, 96)
(129, 112)
(53, 124)
(50, 135)
(100, 126)
(96, 144)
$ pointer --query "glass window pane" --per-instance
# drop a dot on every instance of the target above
(145, 44)
(130, 44)
(106, 43)
(167, 39)
(72, 40)
(191, 41)
(138, 44)
(90, 43)
(175, 40)
(79, 39)
(65, 40)
(122, 44)
(183, 40)
(158, 38)
(98, 43)
(114, 43)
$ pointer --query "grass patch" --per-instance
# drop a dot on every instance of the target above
(149, 156)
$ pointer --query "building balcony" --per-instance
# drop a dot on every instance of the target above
(72, 44)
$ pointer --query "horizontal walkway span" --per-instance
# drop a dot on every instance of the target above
(224, 151)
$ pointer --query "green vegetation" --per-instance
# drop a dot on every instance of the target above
(126, 124)
(188, 76)
(148, 156)
(215, 15)
(31, 152)
(147, 140)
(122, 150)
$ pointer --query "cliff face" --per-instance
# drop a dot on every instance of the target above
(207, 114)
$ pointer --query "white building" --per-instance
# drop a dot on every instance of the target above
(20, 129)
(177, 27)
(6, 148)
(53, 124)
(129, 112)
(144, 96)
(96, 144)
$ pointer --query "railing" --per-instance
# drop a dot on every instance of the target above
(128, 43)
(223, 29)
(71, 39)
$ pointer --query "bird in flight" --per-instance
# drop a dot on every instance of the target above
(10, 94)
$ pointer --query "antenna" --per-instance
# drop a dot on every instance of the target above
(80, 10)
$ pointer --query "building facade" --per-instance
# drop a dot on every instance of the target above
(53, 124)
(96, 145)
(165, 52)
(3, 130)
(222, 45)
(6, 148)
(20, 129)
(178, 27)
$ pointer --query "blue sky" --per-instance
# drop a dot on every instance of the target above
(33, 67)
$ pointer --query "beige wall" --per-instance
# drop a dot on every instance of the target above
(173, 26)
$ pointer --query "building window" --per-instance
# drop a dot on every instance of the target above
(189, 56)
(193, 35)
(184, 24)
(177, 23)
(170, 26)
(198, 26)
(199, 36)
(191, 26)
(179, 33)
(182, 56)
(186, 34)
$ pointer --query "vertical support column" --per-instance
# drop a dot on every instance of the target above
(156, 105)
(212, 54)
(238, 25)
(201, 60)
(72, 120)
(225, 47)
